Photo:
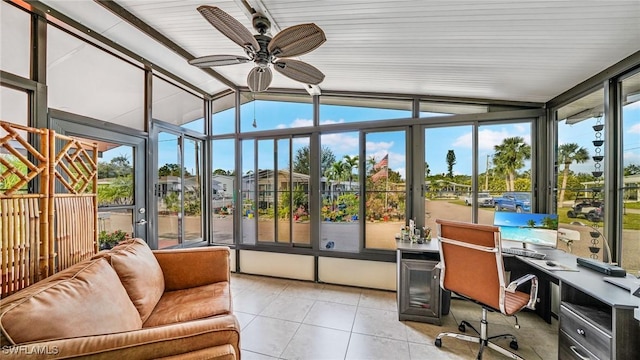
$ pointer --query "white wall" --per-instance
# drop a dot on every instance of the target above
(363, 273)
(290, 266)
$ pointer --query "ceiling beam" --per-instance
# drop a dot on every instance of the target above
(156, 35)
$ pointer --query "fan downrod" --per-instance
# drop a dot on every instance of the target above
(261, 23)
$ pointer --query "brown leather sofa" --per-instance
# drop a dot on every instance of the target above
(127, 303)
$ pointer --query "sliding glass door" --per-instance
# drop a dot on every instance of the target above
(178, 189)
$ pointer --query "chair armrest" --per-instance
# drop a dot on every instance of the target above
(533, 293)
(146, 343)
(188, 268)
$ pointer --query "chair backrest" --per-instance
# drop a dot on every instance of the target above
(471, 261)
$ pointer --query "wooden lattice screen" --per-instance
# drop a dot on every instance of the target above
(75, 170)
(41, 231)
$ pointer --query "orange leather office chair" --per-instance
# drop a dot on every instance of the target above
(471, 266)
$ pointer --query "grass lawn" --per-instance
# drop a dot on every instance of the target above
(629, 221)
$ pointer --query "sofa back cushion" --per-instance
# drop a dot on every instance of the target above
(91, 302)
(139, 273)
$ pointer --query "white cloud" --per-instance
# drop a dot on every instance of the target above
(635, 129)
(340, 143)
(379, 147)
(488, 138)
(631, 157)
(329, 121)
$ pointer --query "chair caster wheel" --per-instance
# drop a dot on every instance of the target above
(462, 328)
(513, 344)
(438, 343)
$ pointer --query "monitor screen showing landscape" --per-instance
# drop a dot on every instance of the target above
(528, 228)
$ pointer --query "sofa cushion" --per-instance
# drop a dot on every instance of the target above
(92, 302)
(139, 273)
(191, 304)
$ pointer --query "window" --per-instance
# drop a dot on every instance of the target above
(224, 115)
(78, 74)
(630, 192)
(431, 108)
(177, 106)
(263, 111)
(448, 170)
(338, 109)
(385, 188)
(340, 192)
(580, 178)
(222, 190)
(15, 48)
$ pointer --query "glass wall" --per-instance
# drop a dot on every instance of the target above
(176, 106)
(79, 73)
(115, 189)
(15, 49)
(448, 172)
(385, 188)
(340, 192)
(630, 191)
(434, 108)
(223, 194)
(341, 109)
(505, 150)
(579, 175)
(224, 115)
(263, 111)
(248, 192)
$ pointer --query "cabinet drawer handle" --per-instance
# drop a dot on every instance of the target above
(575, 351)
(580, 332)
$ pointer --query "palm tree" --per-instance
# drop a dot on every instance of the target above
(567, 154)
(350, 162)
(510, 156)
(371, 162)
(335, 172)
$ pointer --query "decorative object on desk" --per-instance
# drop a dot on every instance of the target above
(595, 235)
(568, 236)
(426, 233)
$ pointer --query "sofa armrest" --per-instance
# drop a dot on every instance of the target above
(188, 268)
(147, 343)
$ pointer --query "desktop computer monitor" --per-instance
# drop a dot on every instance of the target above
(528, 228)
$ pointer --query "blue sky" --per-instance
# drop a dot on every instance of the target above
(438, 140)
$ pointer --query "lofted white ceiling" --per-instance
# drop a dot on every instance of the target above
(528, 50)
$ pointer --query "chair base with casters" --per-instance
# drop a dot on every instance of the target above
(483, 339)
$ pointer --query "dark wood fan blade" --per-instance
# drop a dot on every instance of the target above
(296, 40)
(229, 26)
(218, 60)
(299, 71)
(259, 79)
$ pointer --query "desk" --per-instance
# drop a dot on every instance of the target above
(586, 301)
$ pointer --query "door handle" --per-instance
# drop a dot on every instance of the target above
(141, 222)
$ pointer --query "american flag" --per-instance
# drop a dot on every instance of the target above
(382, 163)
(379, 175)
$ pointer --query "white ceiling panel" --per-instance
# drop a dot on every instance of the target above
(529, 50)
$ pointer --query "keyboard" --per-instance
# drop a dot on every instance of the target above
(523, 252)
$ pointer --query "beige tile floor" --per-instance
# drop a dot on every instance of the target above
(289, 319)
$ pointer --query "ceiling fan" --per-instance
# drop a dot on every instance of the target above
(264, 50)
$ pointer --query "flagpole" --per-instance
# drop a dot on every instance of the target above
(386, 185)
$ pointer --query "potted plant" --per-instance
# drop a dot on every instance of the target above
(109, 240)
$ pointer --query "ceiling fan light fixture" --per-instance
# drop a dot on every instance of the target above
(259, 79)
(297, 40)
